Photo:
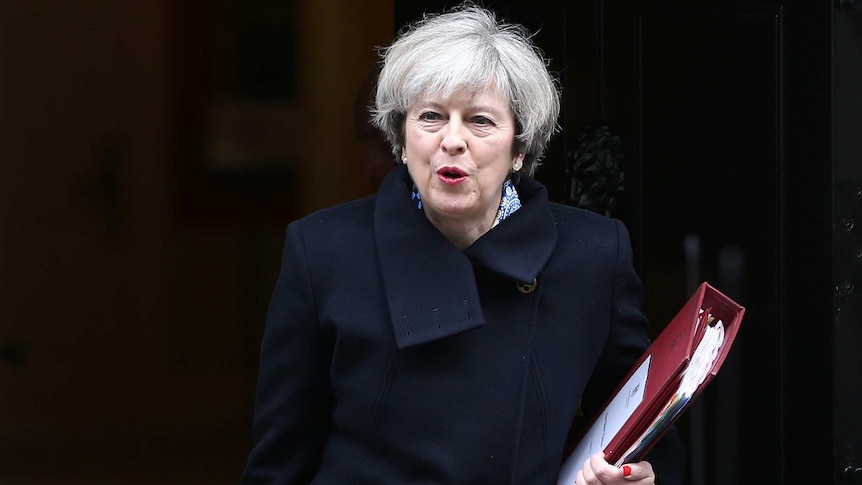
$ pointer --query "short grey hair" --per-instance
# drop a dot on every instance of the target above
(467, 47)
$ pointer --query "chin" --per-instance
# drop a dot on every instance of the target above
(453, 210)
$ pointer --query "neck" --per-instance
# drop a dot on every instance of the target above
(463, 233)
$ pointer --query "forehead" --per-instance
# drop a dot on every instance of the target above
(486, 98)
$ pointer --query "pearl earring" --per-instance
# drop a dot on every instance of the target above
(517, 165)
(404, 159)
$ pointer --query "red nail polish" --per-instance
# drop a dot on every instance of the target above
(627, 470)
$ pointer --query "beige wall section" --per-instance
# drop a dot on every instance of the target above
(339, 44)
(125, 332)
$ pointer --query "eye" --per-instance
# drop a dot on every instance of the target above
(482, 121)
(429, 116)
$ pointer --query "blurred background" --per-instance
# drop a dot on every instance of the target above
(152, 153)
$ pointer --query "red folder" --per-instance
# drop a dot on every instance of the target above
(669, 356)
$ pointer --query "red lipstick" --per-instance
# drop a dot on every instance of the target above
(451, 175)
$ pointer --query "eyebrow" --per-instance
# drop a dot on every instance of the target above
(470, 107)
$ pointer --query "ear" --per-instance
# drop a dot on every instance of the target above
(517, 163)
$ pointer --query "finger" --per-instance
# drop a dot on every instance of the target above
(640, 471)
(603, 471)
(589, 471)
(580, 480)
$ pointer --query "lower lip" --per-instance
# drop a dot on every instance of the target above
(451, 180)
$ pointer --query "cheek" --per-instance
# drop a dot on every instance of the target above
(417, 140)
(419, 173)
(501, 164)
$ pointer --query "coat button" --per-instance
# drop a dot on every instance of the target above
(526, 288)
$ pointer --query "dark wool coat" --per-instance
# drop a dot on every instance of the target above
(392, 357)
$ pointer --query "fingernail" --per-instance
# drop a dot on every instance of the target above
(627, 470)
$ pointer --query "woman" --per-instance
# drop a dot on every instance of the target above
(446, 329)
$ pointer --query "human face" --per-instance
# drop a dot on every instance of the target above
(459, 152)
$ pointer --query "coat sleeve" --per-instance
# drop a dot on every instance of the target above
(293, 391)
(627, 340)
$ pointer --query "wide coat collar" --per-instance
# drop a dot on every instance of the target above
(429, 283)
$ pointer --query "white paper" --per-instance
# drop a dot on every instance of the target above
(608, 424)
(701, 364)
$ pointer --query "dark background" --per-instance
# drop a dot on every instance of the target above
(152, 154)
(738, 125)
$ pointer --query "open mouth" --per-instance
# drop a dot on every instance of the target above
(451, 174)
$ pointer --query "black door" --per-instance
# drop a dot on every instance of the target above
(726, 110)
(847, 180)
(721, 115)
(695, 92)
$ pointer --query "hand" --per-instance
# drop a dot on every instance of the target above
(597, 471)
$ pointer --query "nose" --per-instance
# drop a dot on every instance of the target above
(454, 141)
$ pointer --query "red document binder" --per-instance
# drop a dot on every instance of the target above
(663, 366)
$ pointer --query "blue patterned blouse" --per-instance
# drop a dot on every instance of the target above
(509, 203)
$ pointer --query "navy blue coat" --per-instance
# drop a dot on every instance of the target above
(390, 356)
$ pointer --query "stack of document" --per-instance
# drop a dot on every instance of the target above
(667, 378)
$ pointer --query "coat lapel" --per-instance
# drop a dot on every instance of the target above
(520, 246)
(429, 283)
